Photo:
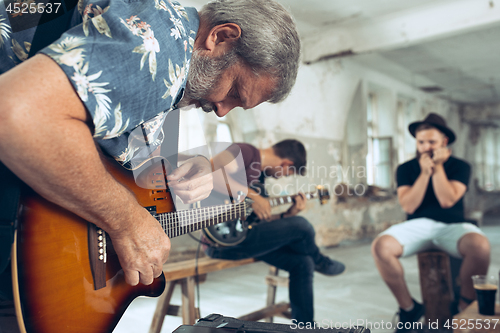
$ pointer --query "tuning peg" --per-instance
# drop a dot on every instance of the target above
(240, 196)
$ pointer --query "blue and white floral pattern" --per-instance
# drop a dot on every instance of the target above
(104, 55)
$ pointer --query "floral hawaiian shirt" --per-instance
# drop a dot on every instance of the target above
(127, 60)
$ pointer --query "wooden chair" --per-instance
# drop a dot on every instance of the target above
(282, 309)
(183, 273)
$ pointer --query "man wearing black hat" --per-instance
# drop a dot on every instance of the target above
(430, 190)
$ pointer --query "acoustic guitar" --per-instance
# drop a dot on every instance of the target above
(66, 275)
(234, 232)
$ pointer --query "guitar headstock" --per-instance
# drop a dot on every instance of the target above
(323, 194)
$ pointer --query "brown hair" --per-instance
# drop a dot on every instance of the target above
(294, 151)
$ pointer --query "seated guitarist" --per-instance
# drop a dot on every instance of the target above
(288, 242)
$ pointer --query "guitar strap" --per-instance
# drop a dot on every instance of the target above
(170, 148)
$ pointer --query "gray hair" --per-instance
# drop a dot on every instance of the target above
(269, 41)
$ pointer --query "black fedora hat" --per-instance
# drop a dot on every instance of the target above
(436, 121)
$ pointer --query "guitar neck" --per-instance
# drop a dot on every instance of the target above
(185, 221)
(288, 199)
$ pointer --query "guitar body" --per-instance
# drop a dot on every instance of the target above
(55, 289)
(229, 233)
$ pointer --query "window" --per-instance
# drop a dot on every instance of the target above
(487, 160)
(192, 139)
(379, 156)
(405, 108)
(217, 129)
(223, 131)
(382, 162)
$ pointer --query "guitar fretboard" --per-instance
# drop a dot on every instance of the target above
(288, 199)
(186, 221)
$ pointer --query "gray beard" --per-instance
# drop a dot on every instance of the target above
(204, 74)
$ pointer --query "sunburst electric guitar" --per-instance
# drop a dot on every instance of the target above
(66, 276)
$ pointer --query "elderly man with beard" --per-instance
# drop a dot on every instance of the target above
(123, 64)
(431, 188)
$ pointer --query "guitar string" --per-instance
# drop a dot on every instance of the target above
(179, 223)
(182, 222)
(288, 198)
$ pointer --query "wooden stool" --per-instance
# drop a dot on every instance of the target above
(272, 309)
(183, 273)
(436, 285)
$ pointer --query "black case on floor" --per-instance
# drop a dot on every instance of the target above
(216, 323)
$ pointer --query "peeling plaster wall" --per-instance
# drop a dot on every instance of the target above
(357, 218)
(475, 119)
(326, 110)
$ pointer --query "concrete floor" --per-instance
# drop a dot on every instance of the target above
(357, 294)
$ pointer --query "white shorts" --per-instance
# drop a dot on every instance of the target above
(423, 234)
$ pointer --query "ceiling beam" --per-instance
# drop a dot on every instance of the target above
(401, 29)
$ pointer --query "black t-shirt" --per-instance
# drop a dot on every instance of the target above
(251, 160)
(251, 176)
(456, 169)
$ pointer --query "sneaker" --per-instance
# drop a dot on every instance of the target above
(412, 316)
(329, 266)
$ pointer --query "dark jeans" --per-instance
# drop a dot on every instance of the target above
(287, 244)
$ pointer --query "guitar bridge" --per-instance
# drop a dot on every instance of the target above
(97, 255)
(102, 245)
